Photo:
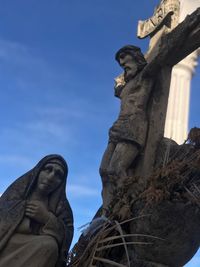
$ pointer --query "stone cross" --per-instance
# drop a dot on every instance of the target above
(166, 51)
(167, 15)
(164, 19)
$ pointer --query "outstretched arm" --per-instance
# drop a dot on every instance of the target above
(183, 40)
(178, 44)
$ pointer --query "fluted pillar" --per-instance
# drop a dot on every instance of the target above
(176, 125)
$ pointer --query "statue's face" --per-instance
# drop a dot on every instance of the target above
(50, 178)
(129, 65)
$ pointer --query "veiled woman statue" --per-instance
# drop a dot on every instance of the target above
(36, 221)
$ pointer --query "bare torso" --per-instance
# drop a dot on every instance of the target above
(131, 124)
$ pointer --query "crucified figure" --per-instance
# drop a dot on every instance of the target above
(144, 86)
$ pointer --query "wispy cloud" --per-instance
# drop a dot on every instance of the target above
(72, 110)
(26, 65)
(40, 109)
(43, 102)
(47, 128)
(12, 51)
(16, 160)
(46, 112)
(77, 191)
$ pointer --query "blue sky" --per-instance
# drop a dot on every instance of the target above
(57, 74)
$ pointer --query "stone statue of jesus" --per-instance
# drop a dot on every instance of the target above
(144, 97)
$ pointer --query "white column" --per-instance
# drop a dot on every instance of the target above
(176, 125)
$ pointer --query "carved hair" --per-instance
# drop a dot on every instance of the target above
(135, 52)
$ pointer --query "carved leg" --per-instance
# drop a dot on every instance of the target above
(107, 184)
(115, 163)
(122, 158)
(105, 162)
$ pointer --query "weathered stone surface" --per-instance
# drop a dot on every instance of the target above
(134, 137)
(36, 221)
(151, 186)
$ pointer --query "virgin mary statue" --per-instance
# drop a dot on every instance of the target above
(36, 221)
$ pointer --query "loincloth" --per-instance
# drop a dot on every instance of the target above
(129, 128)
